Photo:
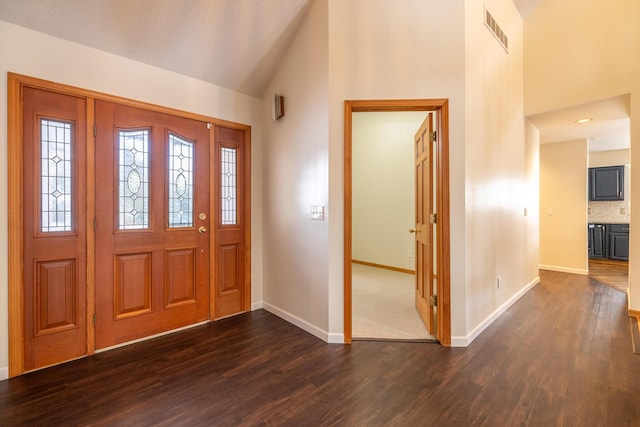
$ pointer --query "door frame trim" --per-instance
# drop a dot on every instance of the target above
(15, 83)
(441, 106)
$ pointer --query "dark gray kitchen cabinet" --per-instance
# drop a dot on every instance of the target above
(618, 235)
(606, 183)
(597, 241)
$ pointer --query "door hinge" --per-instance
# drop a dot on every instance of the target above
(94, 319)
(433, 300)
(433, 136)
(95, 130)
(433, 218)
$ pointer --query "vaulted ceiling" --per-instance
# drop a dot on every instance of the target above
(235, 44)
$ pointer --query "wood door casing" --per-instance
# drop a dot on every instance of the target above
(424, 167)
(54, 231)
(155, 278)
(441, 107)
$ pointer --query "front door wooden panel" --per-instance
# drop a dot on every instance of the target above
(152, 259)
(424, 231)
(54, 127)
(231, 160)
(77, 280)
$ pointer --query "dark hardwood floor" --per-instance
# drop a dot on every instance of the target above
(610, 272)
(561, 356)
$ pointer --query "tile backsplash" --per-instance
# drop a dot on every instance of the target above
(614, 212)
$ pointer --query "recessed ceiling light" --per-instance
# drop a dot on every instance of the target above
(584, 120)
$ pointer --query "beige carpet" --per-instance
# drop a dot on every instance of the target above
(383, 305)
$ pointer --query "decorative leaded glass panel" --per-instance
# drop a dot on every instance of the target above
(56, 177)
(180, 182)
(229, 189)
(133, 176)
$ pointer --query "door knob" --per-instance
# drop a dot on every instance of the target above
(413, 230)
(202, 229)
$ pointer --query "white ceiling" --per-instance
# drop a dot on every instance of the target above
(608, 129)
(525, 7)
(237, 44)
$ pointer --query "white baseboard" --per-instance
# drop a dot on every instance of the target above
(462, 341)
(256, 306)
(335, 338)
(331, 338)
(564, 269)
(4, 373)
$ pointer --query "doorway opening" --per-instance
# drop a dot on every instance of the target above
(440, 227)
(384, 249)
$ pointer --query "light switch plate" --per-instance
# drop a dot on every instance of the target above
(317, 213)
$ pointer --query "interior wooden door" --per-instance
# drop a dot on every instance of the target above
(426, 247)
(232, 285)
(54, 158)
(152, 223)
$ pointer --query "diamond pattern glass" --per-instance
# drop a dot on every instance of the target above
(180, 182)
(56, 198)
(229, 190)
(133, 176)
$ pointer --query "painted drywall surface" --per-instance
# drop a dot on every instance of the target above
(34, 54)
(532, 207)
(609, 158)
(563, 202)
(634, 234)
(381, 49)
(296, 178)
(578, 51)
(618, 211)
(383, 187)
(499, 165)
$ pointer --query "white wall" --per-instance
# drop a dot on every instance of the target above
(563, 207)
(579, 51)
(499, 164)
(34, 54)
(296, 177)
(383, 187)
(532, 189)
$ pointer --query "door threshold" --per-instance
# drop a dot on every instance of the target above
(124, 344)
(413, 340)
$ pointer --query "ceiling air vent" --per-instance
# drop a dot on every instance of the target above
(495, 29)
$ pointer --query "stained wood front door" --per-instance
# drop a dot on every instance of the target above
(152, 223)
(232, 288)
(426, 247)
(54, 133)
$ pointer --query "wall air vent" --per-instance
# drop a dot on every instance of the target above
(495, 29)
